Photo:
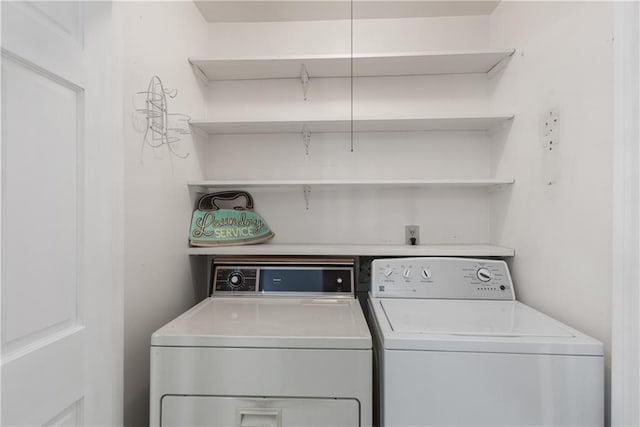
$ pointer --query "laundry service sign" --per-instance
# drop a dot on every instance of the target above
(215, 226)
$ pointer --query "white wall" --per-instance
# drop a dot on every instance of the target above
(333, 37)
(563, 60)
(625, 346)
(562, 233)
(158, 38)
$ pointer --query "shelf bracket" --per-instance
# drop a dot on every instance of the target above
(304, 80)
(306, 138)
(500, 65)
(306, 189)
(496, 188)
(200, 74)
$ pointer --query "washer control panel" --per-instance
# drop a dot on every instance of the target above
(441, 278)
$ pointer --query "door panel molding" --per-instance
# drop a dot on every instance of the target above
(18, 59)
(41, 343)
(47, 381)
(70, 417)
(52, 15)
(25, 31)
(19, 78)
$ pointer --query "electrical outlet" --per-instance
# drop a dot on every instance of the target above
(412, 232)
(550, 128)
(364, 273)
(550, 140)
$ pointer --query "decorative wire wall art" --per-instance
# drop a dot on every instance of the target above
(161, 128)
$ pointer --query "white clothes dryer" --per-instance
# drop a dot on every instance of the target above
(454, 348)
(281, 342)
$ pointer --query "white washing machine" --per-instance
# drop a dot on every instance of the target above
(281, 342)
(454, 348)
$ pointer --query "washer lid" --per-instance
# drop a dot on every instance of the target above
(464, 317)
(269, 323)
(465, 325)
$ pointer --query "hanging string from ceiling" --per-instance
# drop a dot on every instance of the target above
(351, 73)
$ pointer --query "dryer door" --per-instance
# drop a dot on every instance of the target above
(217, 411)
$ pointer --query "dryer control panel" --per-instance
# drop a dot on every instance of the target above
(286, 276)
(441, 278)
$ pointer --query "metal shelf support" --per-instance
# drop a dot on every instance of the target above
(306, 189)
(306, 138)
(199, 73)
(500, 65)
(304, 80)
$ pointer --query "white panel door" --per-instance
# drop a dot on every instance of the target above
(61, 210)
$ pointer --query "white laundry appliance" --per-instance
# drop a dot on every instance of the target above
(454, 348)
(281, 342)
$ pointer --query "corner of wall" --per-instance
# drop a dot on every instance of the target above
(157, 205)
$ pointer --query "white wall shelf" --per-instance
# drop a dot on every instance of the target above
(278, 11)
(364, 65)
(327, 184)
(406, 124)
(470, 250)
(309, 67)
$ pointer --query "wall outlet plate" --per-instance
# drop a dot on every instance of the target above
(550, 140)
(550, 128)
(412, 232)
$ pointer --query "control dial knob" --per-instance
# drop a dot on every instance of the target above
(388, 272)
(407, 273)
(484, 275)
(235, 279)
(425, 273)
